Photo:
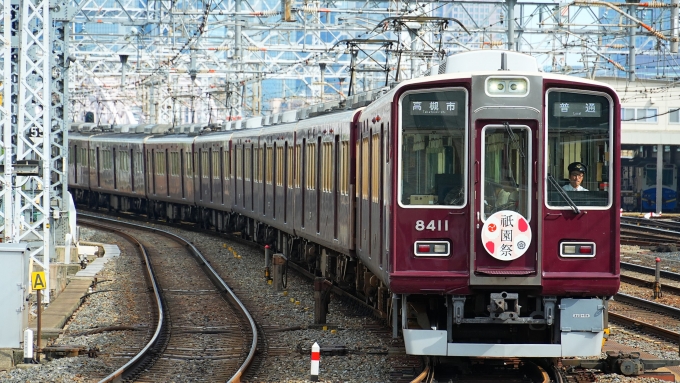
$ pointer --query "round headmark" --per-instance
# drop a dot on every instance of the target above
(506, 235)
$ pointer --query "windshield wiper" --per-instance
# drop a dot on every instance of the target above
(514, 139)
(562, 193)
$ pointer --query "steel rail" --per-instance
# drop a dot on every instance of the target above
(214, 276)
(132, 363)
(649, 271)
(637, 281)
(650, 328)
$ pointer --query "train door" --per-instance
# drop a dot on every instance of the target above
(317, 182)
(115, 170)
(303, 182)
(209, 173)
(276, 160)
(166, 171)
(98, 170)
(132, 171)
(287, 176)
(74, 160)
(223, 172)
(181, 167)
(504, 169)
(375, 186)
(364, 206)
(336, 184)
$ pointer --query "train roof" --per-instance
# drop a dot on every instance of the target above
(215, 135)
(169, 138)
(493, 62)
(119, 137)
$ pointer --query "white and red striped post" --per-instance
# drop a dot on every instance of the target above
(316, 353)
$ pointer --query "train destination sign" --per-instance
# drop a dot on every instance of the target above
(506, 235)
(577, 109)
(433, 108)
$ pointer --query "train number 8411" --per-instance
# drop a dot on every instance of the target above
(433, 225)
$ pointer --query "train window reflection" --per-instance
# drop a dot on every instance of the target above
(433, 148)
(506, 171)
(580, 131)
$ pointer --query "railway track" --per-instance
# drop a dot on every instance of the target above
(646, 316)
(202, 330)
(403, 367)
(646, 232)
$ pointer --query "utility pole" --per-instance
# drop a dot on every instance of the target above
(35, 102)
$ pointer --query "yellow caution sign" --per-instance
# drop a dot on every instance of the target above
(38, 280)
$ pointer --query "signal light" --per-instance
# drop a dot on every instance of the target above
(577, 249)
(585, 249)
(432, 248)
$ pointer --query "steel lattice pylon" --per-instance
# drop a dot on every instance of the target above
(34, 181)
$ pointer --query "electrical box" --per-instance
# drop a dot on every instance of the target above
(13, 292)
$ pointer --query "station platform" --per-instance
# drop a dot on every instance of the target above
(55, 316)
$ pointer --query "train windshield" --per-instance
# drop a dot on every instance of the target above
(579, 152)
(433, 148)
(506, 171)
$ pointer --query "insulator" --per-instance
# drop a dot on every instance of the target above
(311, 10)
(653, 4)
(314, 10)
(659, 35)
(225, 48)
(256, 49)
(494, 43)
(618, 66)
(617, 46)
(270, 12)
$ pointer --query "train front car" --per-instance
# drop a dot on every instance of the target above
(505, 217)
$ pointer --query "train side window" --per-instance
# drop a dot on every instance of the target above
(247, 163)
(270, 165)
(239, 162)
(205, 164)
(364, 168)
(279, 165)
(188, 165)
(215, 164)
(433, 148)
(580, 130)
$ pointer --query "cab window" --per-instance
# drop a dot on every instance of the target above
(579, 153)
(433, 148)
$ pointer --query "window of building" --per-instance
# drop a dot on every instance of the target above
(674, 115)
(646, 115)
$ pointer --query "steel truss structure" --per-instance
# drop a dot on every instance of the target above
(161, 61)
(207, 60)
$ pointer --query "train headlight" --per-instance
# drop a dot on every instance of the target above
(431, 248)
(507, 87)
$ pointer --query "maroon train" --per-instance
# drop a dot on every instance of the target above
(439, 201)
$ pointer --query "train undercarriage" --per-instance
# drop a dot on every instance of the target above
(430, 324)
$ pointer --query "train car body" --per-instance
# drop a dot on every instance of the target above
(638, 186)
(79, 166)
(669, 190)
(442, 202)
(109, 168)
(527, 276)
(170, 171)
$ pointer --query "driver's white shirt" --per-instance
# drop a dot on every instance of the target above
(568, 187)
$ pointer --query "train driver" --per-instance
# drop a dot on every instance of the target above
(576, 172)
